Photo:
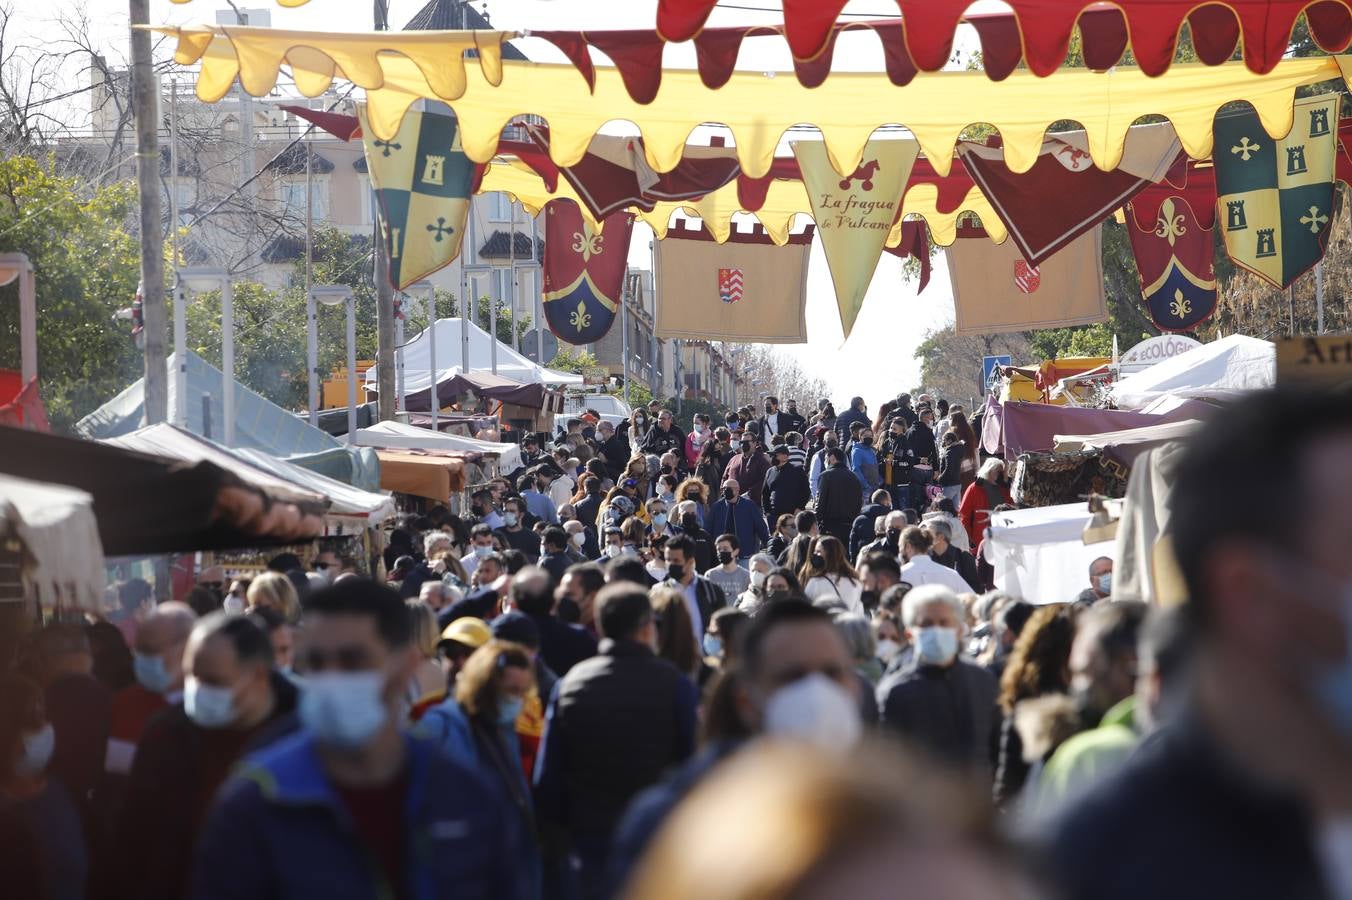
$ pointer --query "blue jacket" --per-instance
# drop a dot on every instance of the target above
(744, 519)
(864, 464)
(540, 506)
(279, 830)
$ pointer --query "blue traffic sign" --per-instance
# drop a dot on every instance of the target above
(990, 367)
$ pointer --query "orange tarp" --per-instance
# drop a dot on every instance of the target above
(435, 476)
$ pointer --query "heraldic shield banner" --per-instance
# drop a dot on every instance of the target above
(1275, 198)
(1172, 244)
(422, 180)
(583, 271)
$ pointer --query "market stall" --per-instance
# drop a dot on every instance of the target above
(148, 503)
(396, 436)
(60, 556)
(1221, 370)
(1040, 554)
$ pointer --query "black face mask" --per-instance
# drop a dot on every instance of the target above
(769, 410)
(690, 522)
(727, 494)
(869, 599)
(747, 449)
(818, 561)
(725, 556)
(772, 596)
(867, 441)
(589, 433)
(676, 572)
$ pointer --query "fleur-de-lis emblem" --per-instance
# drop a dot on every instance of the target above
(1181, 306)
(587, 245)
(1170, 225)
(580, 319)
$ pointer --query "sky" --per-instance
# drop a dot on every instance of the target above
(877, 361)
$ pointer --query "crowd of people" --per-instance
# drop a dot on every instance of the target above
(762, 658)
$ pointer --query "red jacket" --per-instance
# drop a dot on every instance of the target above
(975, 510)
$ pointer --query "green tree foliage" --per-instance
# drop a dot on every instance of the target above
(575, 361)
(86, 264)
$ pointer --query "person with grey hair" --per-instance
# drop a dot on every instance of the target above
(760, 566)
(939, 702)
(945, 554)
(858, 634)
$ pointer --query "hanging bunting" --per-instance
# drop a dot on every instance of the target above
(1174, 262)
(744, 289)
(995, 289)
(1275, 197)
(583, 271)
(855, 213)
(1064, 194)
(423, 182)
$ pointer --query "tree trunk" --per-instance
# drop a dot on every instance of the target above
(145, 105)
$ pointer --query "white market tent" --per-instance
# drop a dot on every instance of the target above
(1221, 370)
(417, 355)
(1039, 553)
(399, 436)
(62, 552)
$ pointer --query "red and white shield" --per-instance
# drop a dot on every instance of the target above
(1026, 277)
(730, 284)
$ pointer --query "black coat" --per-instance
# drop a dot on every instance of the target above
(616, 722)
(563, 645)
(845, 420)
(840, 496)
(785, 491)
(861, 532)
(962, 563)
(587, 508)
(657, 441)
(949, 712)
(920, 440)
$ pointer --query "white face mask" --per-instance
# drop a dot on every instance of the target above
(344, 709)
(579, 539)
(611, 551)
(37, 752)
(816, 710)
(207, 705)
(758, 579)
(657, 571)
(888, 650)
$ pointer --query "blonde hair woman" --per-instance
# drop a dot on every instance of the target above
(274, 590)
(428, 683)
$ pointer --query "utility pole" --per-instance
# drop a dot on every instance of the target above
(384, 291)
(145, 106)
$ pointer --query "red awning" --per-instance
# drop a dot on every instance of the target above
(1039, 31)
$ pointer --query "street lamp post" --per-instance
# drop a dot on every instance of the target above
(17, 265)
(429, 298)
(198, 280)
(333, 295)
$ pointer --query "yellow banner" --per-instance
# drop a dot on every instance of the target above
(856, 213)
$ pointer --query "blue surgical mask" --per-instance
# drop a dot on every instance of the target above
(207, 705)
(509, 519)
(713, 645)
(344, 709)
(1105, 584)
(659, 519)
(152, 673)
(510, 710)
(936, 646)
(481, 552)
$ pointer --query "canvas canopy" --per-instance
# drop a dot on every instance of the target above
(59, 535)
(511, 365)
(1221, 370)
(147, 503)
(396, 435)
(431, 475)
(483, 384)
(397, 68)
(347, 504)
(1126, 445)
(1039, 554)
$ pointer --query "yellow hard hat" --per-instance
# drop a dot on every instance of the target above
(469, 631)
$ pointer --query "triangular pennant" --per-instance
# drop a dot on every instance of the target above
(855, 213)
(423, 181)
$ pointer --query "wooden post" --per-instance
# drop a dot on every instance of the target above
(145, 106)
